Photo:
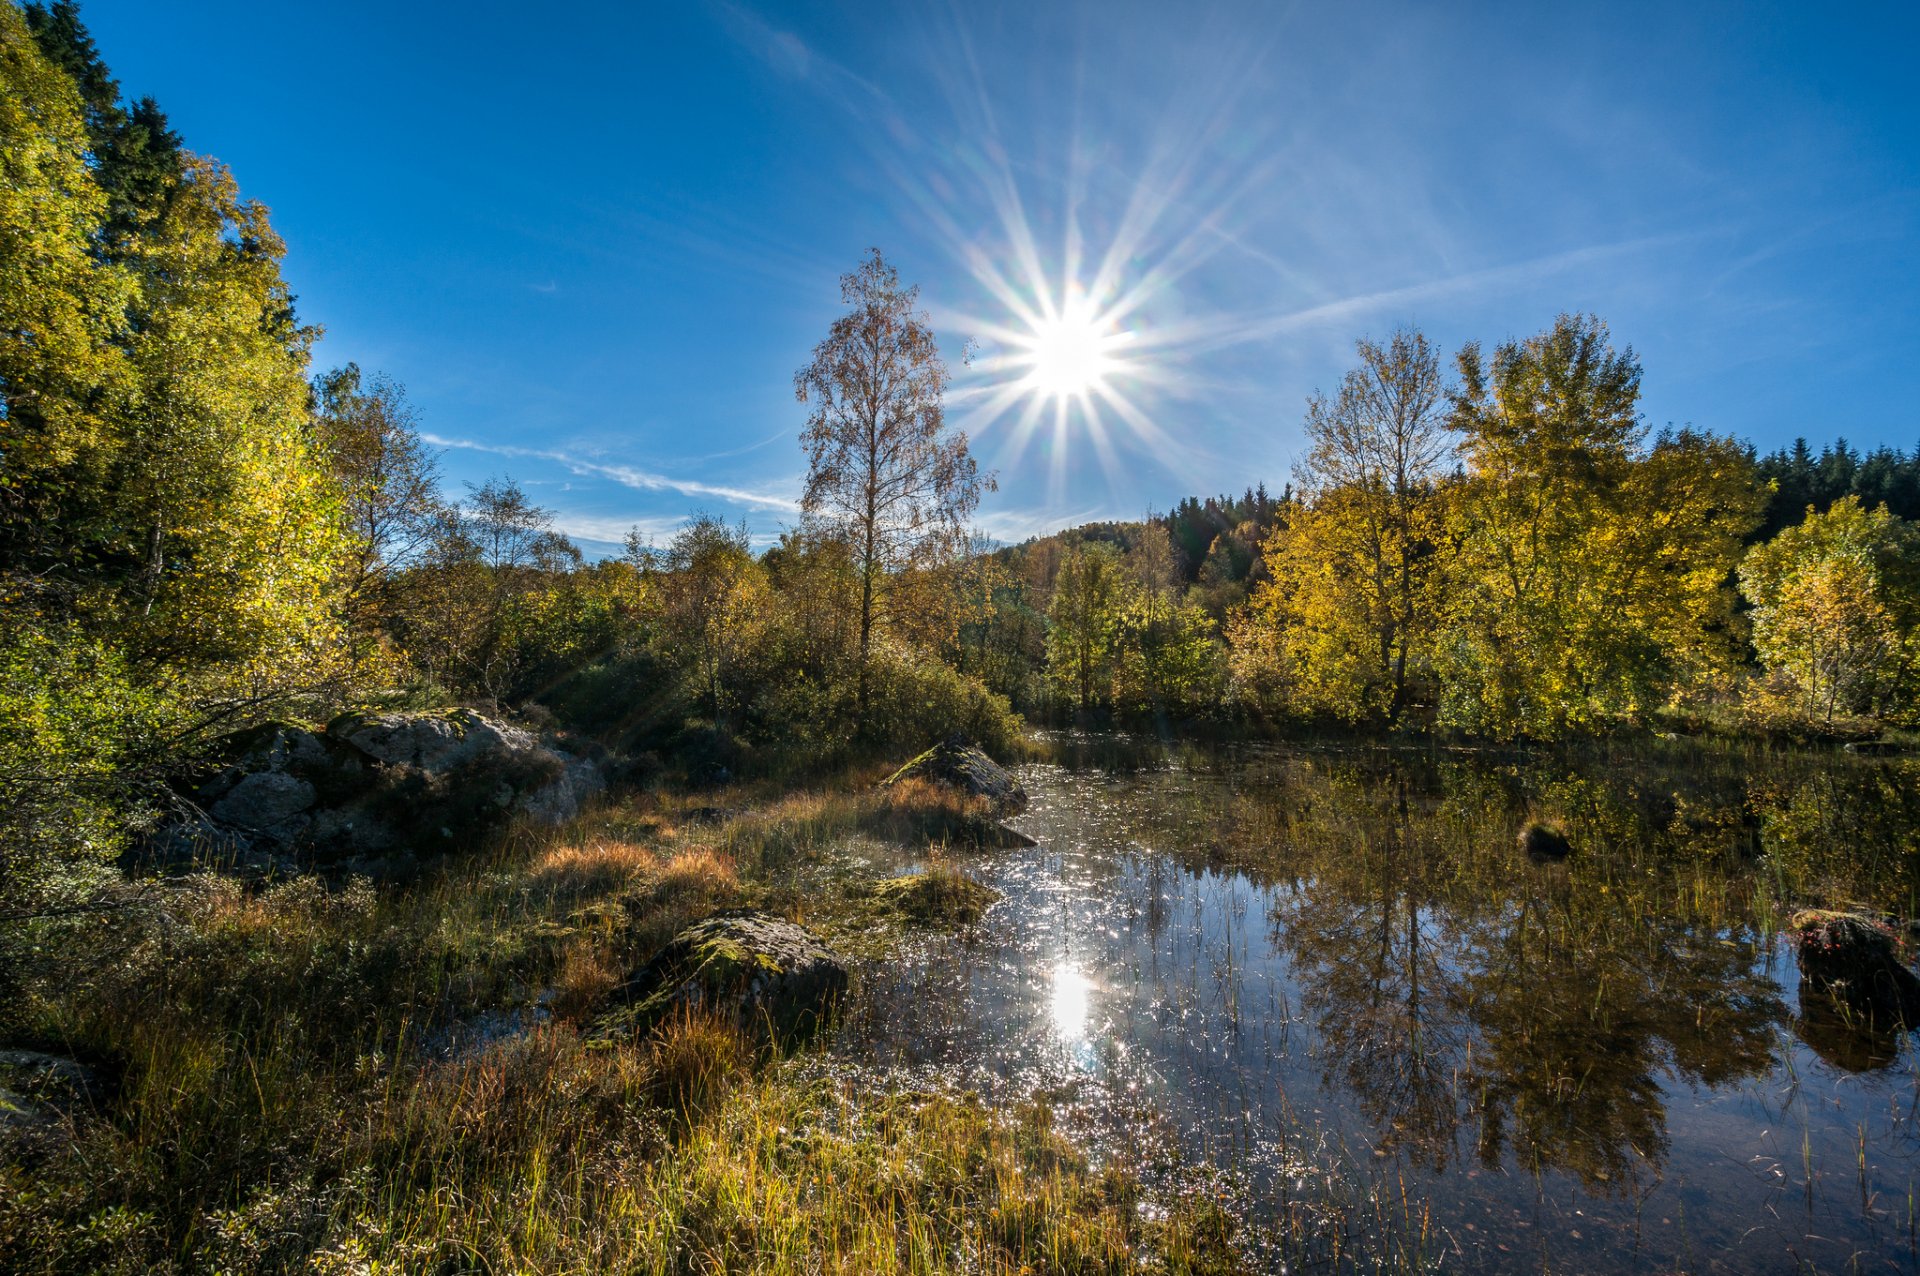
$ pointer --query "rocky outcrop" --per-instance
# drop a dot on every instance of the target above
(1855, 960)
(957, 763)
(774, 978)
(372, 792)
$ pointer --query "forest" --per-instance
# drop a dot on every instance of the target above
(202, 532)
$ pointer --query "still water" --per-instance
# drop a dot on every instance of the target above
(1334, 974)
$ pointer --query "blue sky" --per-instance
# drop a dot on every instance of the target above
(596, 240)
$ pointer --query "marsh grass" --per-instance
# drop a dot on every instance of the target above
(335, 1078)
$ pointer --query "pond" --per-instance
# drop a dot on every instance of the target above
(1334, 974)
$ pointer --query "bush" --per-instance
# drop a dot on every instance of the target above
(917, 699)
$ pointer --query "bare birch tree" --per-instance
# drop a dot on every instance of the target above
(884, 474)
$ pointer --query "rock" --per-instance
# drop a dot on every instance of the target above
(369, 794)
(37, 1088)
(773, 977)
(265, 801)
(434, 743)
(1856, 960)
(957, 763)
(1544, 842)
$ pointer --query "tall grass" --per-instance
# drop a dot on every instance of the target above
(338, 1078)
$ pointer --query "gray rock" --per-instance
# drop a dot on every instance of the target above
(959, 764)
(369, 793)
(434, 743)
(36, 1089)
(264, 801)
(773, 977)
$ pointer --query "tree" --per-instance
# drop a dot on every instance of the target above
(1357, 570)
(61, 312)
(1836, 611)
(1082, 621)
(1593, 571)
(714, 598)
(489, 562)
(137, 158)
(389, 489)
(1167, 653)
(884, 474)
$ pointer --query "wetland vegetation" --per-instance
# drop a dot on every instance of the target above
(1397, 873)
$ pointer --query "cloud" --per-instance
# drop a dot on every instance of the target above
(792, 57)
(1509, 277)
(1010, 527)
(627, 475)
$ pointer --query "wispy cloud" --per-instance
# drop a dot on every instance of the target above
(1012, 526)
(792, 57)
(1516, 275)
(626, 475)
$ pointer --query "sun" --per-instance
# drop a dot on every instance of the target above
(1069, 354)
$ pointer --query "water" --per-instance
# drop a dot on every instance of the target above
(1336, 974)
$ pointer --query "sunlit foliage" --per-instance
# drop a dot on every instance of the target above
(1836, 612)
(1593, 568)
(885, 475)
(1349, 617)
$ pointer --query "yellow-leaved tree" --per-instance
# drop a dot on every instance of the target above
(1592, 582)
(1346, 624)
(1836, 613)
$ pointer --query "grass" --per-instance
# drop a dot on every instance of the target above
(312, 1079)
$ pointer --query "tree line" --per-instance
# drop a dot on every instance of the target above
(1499, 547)
(197, 532)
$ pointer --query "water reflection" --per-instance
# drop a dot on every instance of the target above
(1277, 954)
(1068, 1002)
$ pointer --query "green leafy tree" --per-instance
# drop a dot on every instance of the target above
(1836, 612)
(1168, 655)
(1083, 622)
(61, 314)
(714, 601)
(1353, 605)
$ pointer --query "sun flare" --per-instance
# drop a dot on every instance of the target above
(1071, 355)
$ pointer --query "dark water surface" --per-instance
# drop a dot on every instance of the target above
(1335, 973)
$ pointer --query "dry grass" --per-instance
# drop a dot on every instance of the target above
(295, 1083)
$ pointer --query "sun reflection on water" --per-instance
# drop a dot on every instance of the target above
(1069, 1002)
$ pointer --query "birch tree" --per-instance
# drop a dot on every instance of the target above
(885, 475)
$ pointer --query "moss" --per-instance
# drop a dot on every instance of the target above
(940, 896)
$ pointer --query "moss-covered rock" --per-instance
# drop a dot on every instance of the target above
(1857, 961)
(959, 764)
(939, 897)
(774, 977)
(1544, 842)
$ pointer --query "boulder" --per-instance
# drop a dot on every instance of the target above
(1856, 960)
(372, 793)
(1544, 842)
(36, 1089)
(957, 763)
(435, 743)
(773, 977)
